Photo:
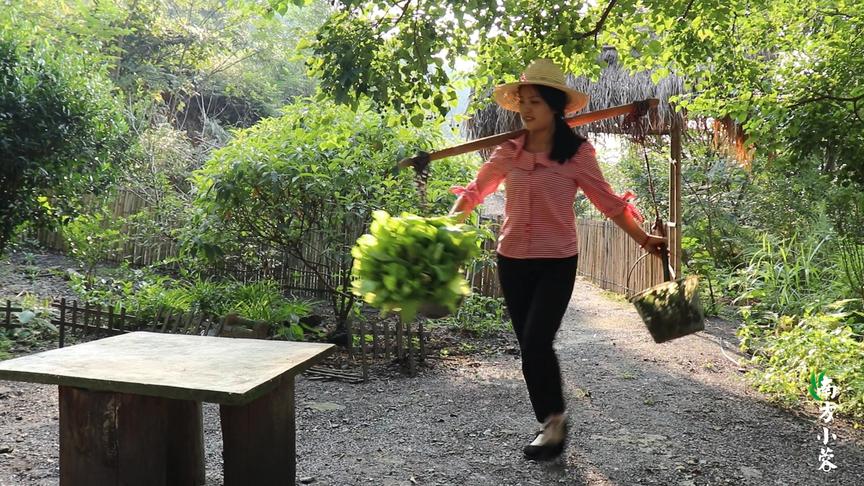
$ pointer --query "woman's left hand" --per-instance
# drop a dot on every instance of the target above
(655, 245)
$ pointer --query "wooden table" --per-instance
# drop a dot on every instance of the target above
(130, 406)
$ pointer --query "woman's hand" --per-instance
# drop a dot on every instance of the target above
(458, 210)
(461, 217)
(655, 244)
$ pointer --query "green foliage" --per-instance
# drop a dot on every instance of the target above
(178, 53)
(60, 126)
(801, 316)
(405, 262)
(788, 276)
(141, 292)
(161, 160)
(145, 295)
(186, 69)
(314, 174)
(35, 324)
(850, 260)
(729, 210)
(263, 301)
(479, 316)
(790, 72)
(377, 68)
(316, 159)
(820, 343)
(5, 346)
(403, 55)
(93, 238)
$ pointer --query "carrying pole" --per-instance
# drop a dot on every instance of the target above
(422, 159)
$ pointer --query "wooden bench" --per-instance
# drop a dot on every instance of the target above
(130, 406)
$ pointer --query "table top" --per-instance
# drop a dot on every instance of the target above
(228, 371)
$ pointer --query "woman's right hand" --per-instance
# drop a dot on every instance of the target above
(458, 211)
(461, 216)
(655, 245)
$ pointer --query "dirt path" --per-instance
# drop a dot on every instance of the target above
(641, 413)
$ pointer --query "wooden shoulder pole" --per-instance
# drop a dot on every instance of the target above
(494, 140)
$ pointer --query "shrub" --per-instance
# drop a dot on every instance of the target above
(60, 126)
(145, 295)
(35, 327)
(315, 174)
(785, 359)
(5, 345)
(479, 315)
(93, 238)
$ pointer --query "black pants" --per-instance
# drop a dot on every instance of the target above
(537, 292)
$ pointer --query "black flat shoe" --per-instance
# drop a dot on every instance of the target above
(548, 450)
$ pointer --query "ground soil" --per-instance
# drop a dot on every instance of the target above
(679, 413)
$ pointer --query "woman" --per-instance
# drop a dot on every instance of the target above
(538, 246)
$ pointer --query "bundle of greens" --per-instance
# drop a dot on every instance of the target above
(408, 262)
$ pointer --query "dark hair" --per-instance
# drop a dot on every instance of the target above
(565, 142)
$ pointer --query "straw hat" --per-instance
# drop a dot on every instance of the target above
(546, 73)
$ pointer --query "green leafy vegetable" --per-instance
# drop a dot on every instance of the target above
(407, 261)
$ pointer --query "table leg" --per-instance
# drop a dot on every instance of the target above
(125, 439)
(258, 439)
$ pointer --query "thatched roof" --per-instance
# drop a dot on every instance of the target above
(615, 86)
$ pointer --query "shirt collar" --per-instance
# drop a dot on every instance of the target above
(527, 160)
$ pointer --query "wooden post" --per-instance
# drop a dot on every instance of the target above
(400, 349)
(674, 232)
(412, 370)
(387, 340)
(374, 339)
(422, 337)
(99, 314)
(364, 365)
(74, 314)
(87, 316)
(122, 325)
(258, 439)
(62, 322)
(118, 438)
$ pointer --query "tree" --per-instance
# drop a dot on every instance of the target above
(791, 72)
(60, 127)
(189, 61)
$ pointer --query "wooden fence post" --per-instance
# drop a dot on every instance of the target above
(122, 324)
(62, 338)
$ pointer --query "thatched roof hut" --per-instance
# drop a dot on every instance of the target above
(615, 86)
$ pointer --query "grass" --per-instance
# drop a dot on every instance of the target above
(5, 344)
(614, 296)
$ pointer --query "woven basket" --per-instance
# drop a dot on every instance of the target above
(671, 309)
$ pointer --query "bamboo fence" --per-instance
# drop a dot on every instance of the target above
(606, 255)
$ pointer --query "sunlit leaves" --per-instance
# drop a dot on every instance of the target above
(731, 52)
(320, 166)
(406, 261)
(60, 128)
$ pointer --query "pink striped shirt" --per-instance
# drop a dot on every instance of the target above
(539, 220)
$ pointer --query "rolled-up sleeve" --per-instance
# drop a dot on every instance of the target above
(599, 192)
(488, 178)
